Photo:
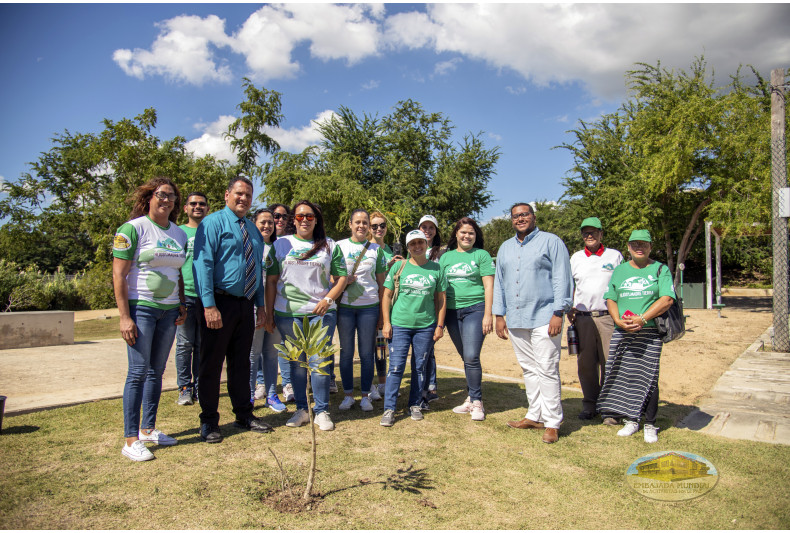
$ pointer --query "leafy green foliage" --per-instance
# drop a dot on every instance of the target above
(403, 165)
(29, 289)
(312, 340)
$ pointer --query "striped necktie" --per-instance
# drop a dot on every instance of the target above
(249, 263)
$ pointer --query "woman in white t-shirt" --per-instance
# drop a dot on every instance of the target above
(148, 252)
(358, 312)
(298, 284)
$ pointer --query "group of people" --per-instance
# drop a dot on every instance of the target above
(231, 287)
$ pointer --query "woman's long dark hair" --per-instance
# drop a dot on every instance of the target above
(319, 234)
(452, 244)
(143, 194)
(436, 244)
(266, 210)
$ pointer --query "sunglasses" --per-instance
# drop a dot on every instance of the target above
(518, 216)
(280, 216)
(589, 233)
(164, 196)
(194, 204)
(300, 217)
(375, 227)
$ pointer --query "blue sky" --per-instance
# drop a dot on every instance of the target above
(523, 74)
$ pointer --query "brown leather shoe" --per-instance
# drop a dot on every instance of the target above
(550, 436)
(525, 423)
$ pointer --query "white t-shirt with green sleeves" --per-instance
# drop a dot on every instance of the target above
(464, 272)
(364, 292)
(636, 289)
(303, 283)
(157, 255)
(415, 307)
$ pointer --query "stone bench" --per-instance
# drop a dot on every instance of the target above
(28, 329)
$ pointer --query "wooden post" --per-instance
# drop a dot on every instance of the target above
(708, 267)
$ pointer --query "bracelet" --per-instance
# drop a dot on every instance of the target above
(439, 326)
(644, 322)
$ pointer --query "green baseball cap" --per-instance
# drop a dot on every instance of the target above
(592, 222)
(640, 235)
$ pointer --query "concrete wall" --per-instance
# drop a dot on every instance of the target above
(28, 329)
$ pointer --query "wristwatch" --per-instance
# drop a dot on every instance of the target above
(329, 300)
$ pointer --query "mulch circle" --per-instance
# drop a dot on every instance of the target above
(285, 502)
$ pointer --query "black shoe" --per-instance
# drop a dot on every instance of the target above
(424, 405)
(584, 415)
(431, 395)
(210, 433)
(253, 423)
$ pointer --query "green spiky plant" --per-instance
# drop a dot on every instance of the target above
(311, 339)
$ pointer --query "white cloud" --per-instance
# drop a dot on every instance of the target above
(516, 90)
(594, 44)
(563, 118)
(445, 67)
(372, 84)
(212, 140)
(182, 52)
(494, 136)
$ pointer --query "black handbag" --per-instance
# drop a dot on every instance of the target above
(671, 324)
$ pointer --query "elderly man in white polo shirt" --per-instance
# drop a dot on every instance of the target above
(592, 268)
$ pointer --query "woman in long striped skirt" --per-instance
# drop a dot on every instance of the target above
(638, 291)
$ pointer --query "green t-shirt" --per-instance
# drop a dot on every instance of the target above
(415, 307)
(186, 270)
(464, 272)
(636, 289)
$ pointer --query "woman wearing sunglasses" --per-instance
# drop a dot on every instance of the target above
(378, 230)
(358, 312)
(148, 252)
(298, 285)
(263, 354)
(416, 321)
(283, 225)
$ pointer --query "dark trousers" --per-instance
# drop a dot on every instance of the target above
(595, 335)
(232, 342)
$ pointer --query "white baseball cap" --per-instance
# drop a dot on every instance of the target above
(415, 234)
(429, 218)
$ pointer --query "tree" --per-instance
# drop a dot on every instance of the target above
(404, 164)
(311, 340)
(680, 150)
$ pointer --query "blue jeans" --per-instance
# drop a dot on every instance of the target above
(318, 382)
(285, 367)
(156, 329)
(363, 321)
(465, 327)
(263, 360)
(188, 344)
(430, 372)
(421, 342)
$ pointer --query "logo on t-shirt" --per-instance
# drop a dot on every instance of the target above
(169, 244)
(298, 253)
(460, 272)
(121, 242)
(416, 282)
(637, 283)
(609, 267)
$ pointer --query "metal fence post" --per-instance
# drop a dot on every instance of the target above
(781, 340)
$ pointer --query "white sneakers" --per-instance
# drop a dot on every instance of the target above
(365, 404)
(260, 391)
(299, 419)
(651, 434)
(478, 413)
(628, 429)
(374, 395)
(288, 392)
(157, 437)
(474, 408)
(137, 451)
(464, 408)
(323, 422)
(347, 403)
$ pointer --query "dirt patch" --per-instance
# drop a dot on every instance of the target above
(689, 366)
(285, 502)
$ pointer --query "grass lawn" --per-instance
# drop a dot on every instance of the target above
(62, 468)
(105, 328)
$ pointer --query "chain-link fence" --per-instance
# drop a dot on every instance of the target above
(781, 340)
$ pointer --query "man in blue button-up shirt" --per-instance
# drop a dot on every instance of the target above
(228, 290)
(533, 288)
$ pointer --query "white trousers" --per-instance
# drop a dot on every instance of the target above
(539, 357)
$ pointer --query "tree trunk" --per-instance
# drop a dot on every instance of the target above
(311, 474)
(688, 237)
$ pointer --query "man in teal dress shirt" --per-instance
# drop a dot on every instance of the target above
(229, 282)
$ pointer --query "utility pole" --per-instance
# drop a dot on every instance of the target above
(780, 211)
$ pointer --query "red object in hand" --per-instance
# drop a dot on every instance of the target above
(628, 313)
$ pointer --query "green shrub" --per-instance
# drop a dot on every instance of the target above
(95, 286)
(61, 293)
